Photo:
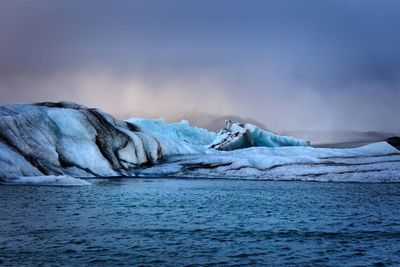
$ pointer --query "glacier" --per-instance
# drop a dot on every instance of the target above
(55, 143)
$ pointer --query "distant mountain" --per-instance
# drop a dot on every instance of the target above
(213, 122)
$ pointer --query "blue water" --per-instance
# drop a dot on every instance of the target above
(166, 222)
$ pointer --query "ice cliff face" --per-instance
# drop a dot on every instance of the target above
(66, 138)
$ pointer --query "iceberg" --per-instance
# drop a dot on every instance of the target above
(69, 139)
(238, 135)
(60, 143)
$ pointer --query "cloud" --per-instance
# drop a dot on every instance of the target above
(123, 95)
(289, 64)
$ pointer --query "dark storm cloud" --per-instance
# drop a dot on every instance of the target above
(304, 60)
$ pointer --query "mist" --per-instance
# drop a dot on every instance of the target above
(290, 65)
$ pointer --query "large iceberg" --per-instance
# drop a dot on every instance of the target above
(66, 138)
(245, 151)
(54, 143)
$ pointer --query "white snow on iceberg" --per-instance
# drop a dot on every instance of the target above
(238, 135)
(68, 139)
(379, 162)
(176, 138)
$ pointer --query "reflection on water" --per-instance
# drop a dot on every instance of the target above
(179, 222)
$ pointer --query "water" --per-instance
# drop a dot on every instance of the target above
(166, 222)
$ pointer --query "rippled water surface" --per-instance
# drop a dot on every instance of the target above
(172, 222)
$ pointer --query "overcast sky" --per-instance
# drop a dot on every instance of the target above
(294, 65)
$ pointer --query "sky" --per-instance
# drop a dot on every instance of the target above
(292, 65)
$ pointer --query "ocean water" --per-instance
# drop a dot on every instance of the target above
(178, 222)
